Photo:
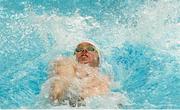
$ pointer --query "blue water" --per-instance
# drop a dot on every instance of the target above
(139, 42)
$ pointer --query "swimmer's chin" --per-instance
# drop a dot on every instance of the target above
(84, 62)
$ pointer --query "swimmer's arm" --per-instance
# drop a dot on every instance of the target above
(65, 67)
(64, 70)
(58, 88)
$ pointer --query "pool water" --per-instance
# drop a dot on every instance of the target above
(139, 43)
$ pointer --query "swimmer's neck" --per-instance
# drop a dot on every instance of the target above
(86, 66)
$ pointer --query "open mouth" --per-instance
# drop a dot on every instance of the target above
(84, 56)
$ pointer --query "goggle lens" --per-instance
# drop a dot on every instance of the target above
(89, 48)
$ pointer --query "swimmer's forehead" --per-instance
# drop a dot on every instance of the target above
(84, 44)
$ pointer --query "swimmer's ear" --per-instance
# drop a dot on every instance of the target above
(98, 61)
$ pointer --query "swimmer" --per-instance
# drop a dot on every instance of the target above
(85, 69)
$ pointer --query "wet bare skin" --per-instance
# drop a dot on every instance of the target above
(84, 69)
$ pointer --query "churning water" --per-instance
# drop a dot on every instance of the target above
(139, 42)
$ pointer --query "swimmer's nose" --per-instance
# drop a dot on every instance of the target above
(84, 51)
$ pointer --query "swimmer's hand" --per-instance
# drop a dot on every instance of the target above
(65, 67)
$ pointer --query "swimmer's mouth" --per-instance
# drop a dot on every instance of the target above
(84, 56)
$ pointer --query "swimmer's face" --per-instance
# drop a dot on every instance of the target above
(86, 53)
